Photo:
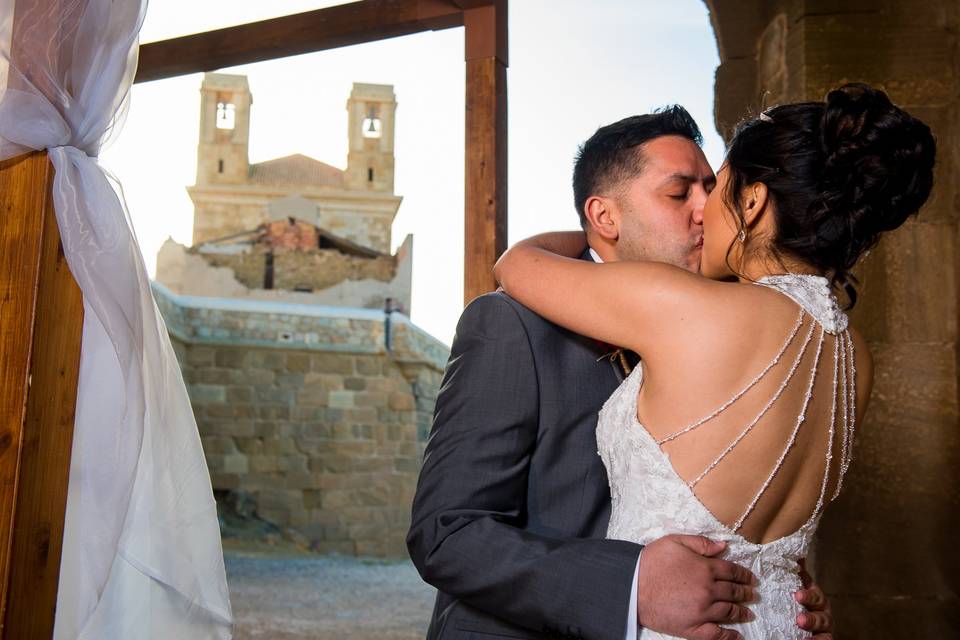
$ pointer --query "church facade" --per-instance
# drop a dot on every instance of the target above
(350, 211)
(231, 194)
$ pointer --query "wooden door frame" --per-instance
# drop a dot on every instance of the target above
(485, 26)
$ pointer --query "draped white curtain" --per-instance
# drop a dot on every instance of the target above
(141, 554)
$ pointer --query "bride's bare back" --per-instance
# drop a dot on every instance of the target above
(753, 399)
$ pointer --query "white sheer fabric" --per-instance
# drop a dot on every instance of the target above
(141, 555)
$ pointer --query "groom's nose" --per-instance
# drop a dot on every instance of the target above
(698, 211)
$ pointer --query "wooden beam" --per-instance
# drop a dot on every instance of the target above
(337, 26)
(486, 30)
(41, 320)
(473, 4)
(485, 199)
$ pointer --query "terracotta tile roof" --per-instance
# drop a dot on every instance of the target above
(297, 169)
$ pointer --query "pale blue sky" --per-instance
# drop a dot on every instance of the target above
(574, 66)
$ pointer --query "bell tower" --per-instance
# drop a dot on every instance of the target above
(370, 161)
(224, 129)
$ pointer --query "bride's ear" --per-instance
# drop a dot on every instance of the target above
(755, 199)
(600, 218)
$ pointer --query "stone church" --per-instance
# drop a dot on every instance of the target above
(292, 228)
(313, 391)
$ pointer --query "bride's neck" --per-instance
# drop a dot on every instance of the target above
(756, 267)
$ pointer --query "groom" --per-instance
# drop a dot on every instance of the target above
(512, 506)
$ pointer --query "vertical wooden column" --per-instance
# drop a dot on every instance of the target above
(485, 224)
(41, 317)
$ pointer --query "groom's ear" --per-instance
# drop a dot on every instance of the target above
(601, 217)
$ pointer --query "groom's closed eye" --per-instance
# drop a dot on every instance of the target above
(677, 186)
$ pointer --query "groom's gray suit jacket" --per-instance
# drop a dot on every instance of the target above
(513, 501)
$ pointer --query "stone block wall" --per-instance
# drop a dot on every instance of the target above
(324, 428)
(885, 551)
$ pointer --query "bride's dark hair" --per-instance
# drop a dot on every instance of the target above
(839, 172)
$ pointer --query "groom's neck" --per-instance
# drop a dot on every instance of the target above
(607, 252)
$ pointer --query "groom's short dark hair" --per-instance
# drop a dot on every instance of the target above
(610, 156)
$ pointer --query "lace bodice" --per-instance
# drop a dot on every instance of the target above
(650, 500)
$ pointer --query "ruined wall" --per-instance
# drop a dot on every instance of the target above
(885, 550)
(362, 217)
(307, 411)
(356, 282)
(317, 269)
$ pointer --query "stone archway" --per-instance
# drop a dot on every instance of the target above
(885, 552)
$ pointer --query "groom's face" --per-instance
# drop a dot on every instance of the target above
(661, 208)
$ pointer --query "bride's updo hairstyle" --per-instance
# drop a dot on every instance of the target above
(840, 173)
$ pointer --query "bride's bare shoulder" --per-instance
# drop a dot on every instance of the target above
(743, 304)
(727, 321)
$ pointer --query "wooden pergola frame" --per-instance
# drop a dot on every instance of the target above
(41, 309)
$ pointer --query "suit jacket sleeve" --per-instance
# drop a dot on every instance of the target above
(466, 537)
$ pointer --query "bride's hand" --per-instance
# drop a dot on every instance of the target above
(818, 618)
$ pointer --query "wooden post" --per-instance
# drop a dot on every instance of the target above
(41, 321)
(485, 183)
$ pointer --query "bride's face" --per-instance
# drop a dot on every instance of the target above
(719, 232)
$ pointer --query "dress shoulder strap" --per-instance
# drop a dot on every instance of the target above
(814, 295)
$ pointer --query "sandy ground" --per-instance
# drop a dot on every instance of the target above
(288, 594)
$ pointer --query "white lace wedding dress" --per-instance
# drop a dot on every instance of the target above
(650, 500)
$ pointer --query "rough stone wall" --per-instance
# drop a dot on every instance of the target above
(371, 229)
(187, 273)
(309, 414)
(318, 269)
(325, 443)
(885, 550)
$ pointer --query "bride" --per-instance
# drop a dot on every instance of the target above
(740, 424)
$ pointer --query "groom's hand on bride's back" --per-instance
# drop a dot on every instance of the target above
(683, 590)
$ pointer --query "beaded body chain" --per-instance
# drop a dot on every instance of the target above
(813, 295)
